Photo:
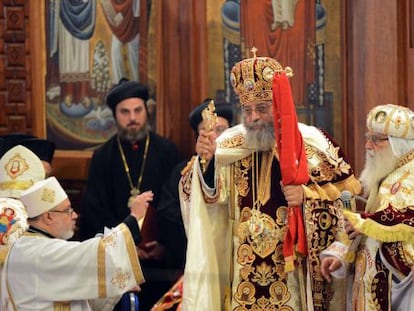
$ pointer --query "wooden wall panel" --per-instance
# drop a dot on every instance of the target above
(376, 68)
(408, 16)
(181, 64)
(15, 89)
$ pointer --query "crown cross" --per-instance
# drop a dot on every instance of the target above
(48, 195)
(254, 50)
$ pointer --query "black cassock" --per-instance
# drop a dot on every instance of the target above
(105, 202)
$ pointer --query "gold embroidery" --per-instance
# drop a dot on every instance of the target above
(16, 184)
(279, 295)
(232, 142)
(110, 239)
(259, 255)
(188, 167)
(264, 274)
(263, 234)
(16, 166)
(61, 306)
(245, 293)
(325, 165)
(48, 195)
(405, 159)
(241, 178)
(120, 278)
(186, 181)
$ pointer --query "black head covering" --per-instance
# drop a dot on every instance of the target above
(222, 110)
(126, 89)
(43, 148)
(3, 147)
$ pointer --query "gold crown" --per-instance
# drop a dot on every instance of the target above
(252, 78)
(391, 120)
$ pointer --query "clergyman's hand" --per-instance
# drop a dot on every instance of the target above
(151, 250)
(140, 204)
(206, 145)
(329, 264)
(293, 194)
(350, 230)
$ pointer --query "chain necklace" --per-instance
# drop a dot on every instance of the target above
(261, 181)
(134, 190)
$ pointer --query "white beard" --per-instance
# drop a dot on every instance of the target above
(262, 139)
(377, 166)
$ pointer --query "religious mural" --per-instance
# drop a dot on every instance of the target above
(91, 45)
(280, 29)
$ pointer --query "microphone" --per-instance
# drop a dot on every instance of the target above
(361, 199)
(346, 198)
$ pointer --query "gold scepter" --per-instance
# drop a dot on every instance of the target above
(210, 120)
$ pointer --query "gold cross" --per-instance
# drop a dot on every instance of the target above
(254, 50)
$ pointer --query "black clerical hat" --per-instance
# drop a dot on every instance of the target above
(222, 110)
(126, 89)
(43, 148)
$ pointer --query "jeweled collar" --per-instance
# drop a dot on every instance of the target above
(408, 157)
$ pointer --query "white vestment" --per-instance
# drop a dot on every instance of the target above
(41, 273)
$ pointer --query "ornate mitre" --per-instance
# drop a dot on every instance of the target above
(252, 78)
(391, 120)
(43, 196)
(20, 168)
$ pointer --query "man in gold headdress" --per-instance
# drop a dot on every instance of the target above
(384, 234)
(240, 255)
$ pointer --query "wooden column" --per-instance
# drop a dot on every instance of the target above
(375, 73)
(181, 67)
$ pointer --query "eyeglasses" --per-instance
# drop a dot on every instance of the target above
(69, 211)
(260, 109)
(375, 139)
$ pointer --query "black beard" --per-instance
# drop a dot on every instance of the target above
(132, 135)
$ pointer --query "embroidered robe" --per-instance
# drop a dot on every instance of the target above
(382, 276)
(236, 229)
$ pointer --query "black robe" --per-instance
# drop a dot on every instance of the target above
(172, 233)
(108, 190)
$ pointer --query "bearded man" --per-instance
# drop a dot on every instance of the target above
(235, 212)
(132, 161)
(383, 235)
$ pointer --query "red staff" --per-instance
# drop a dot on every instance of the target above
(293, 163)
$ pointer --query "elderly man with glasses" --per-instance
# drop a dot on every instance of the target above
(43, 271)
(382, 247)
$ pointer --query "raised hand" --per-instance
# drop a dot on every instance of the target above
(206, 145)
(140, 204)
